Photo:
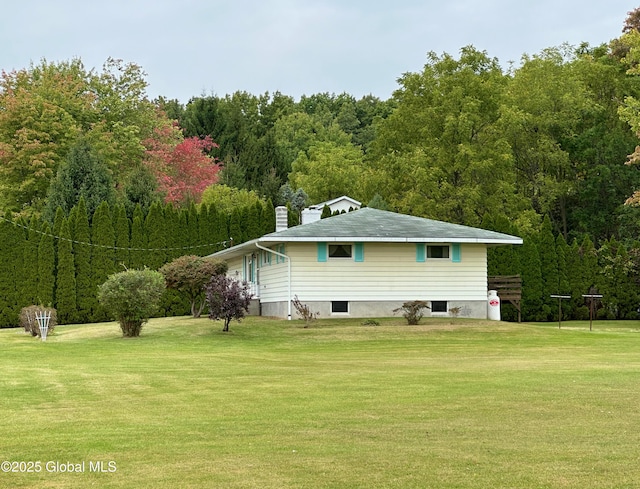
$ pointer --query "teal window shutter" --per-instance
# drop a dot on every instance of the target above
(421, 252)
(359, 252)
(456, 255)
(244, 268)
(322, 251)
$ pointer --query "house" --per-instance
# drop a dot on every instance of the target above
(340, 204)
(367, 263)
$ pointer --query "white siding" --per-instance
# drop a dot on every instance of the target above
(274, 284)
(389, 272)
(235, 267)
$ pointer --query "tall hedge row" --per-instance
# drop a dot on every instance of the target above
(549, 266)
(62, 265)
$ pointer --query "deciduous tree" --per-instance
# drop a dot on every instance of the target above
(182, 166)
(227, 298)
(189, 274)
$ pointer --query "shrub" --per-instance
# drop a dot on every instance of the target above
(304, 311)
(131, 297)
(413, 311)
(30, 324)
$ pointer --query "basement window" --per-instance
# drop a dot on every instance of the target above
(438, 306)
(339, 307)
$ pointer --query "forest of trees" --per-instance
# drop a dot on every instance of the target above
(546, 150)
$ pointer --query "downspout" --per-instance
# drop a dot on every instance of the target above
(288, 272)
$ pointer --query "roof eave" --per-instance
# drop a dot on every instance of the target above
(371, 239)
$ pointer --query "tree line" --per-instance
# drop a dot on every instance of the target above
(457, 140)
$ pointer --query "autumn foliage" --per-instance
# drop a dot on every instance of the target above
(181, 165)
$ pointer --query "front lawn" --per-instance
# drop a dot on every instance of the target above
(446, 404)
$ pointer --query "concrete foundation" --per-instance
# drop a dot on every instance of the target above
(364, 309)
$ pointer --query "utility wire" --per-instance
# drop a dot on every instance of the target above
(95, 245)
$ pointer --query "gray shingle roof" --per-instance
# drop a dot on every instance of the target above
(370, 224)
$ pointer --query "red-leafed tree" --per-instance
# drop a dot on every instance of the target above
(181, 165)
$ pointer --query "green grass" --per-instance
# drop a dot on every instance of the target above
(462, 404)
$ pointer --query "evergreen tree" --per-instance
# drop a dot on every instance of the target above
(564, 287)
(12, 244)
(83, 174)
(138, 253)
(30, 268)
(57, 225)
(584, 275)
(293, 217)
(193, 217)
(251, 217)
(81, 234)
(65, 277)
(269, 218)
(548, 267)
(140, 189)
(57, 222)
(204, 231)
(102, 256)
(46, 260)
(182, 230)
(626, 286)
(588, 265)
(173, 240)
(172, 303)
(532, 284)
(217, 232)
(156, 231)
(121, 229)
(616, 282)
(576, 285)
(236, 227)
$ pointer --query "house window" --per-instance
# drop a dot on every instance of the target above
(437, 251)
(438, 306)
(339, 251)
(338, 307)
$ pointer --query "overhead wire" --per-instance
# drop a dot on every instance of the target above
(97, 245)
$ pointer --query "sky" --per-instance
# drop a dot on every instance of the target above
(191, 48)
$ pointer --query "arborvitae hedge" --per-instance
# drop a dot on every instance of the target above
(81, 235)
(156, 232)
(102, 255)
(12, 244)
(30, 263)
(121, 228)
(65, 277)
(138, 241)
(46, 260)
